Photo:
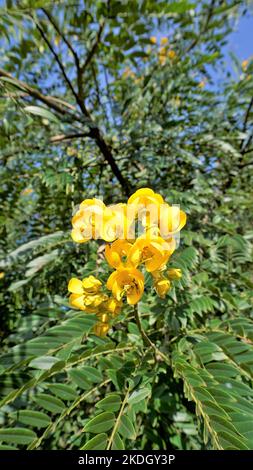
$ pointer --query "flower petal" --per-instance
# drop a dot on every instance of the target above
(75, 286)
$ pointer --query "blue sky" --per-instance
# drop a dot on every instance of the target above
(241, 41)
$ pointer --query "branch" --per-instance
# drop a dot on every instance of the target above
(57, 29)
(63, 137)
(145, 338)
(59, 62)
(50, 101)
(55, 139)
(73, 52)
(202, 30)
(244, 128)
(106, 151)
(94, 133)
(94, 47)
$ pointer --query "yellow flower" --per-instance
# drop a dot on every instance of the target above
(85, 294)
(174, 274)
(87, 221)
(145, 197)
(245, 64)
(162, 286)
(27, 191)
(117, 223)
(101, 329)
(113, 306)
(162, 59)
(153, 40)
(154, 252)
(89, 285)
(116, 252)
(128, 73)
(103, 317)
(2, 274)
(57, 40)
(172, 220)
(164, 41)
(126, 281)
(71, 151)
(171, 54)
(202, 84)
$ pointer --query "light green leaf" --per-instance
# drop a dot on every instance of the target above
(43, 112)
(17, 435)
(96, 443)
(101, 423)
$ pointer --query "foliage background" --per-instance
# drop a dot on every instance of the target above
(87, 109)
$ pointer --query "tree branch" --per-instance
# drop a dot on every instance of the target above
(50, 101)
(145, 338)
(57, 29)
(79, 102)
(94, 48)
(73, 52)
(202, 30)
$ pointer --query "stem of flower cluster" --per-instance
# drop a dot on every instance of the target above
(146, 340)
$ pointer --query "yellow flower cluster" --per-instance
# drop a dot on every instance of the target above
(86, 295)
(164, 52)
(126, 253)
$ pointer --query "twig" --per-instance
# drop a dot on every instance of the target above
(116, 425)
(146, 340)
(94, 48)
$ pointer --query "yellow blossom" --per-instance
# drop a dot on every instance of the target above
(162, 59)
(172, 220)
(153, 40)
(162, 286)
(174, 274)
(117, 222)
(164, 41)
(145, 197)
(57, 40)
(171, 54)
(27, 191)
(71, 151)
(128, 73)
(116, 252)
(113, 306)
(87, 221)
(2, 274)
(85, 294)
(103, 317)
(126, 281)
(202, 84)
(245, 64)
(101, 329)
(153, 252)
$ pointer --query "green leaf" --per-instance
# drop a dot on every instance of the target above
(111, 403)
(43, 112)
(63, 391)
(50, 403)
(17, 435)
(117, 443)
(92, 374)
(126, 428)
(139, 395)
(101, 423)
(32, 418)
(43, 362)
(96, 443)
(79, 377)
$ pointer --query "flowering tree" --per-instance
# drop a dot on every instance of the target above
(112, 117)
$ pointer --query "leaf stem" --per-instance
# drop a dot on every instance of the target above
(146, 340)
(116, 425)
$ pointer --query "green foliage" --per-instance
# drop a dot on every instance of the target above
(87, 109)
